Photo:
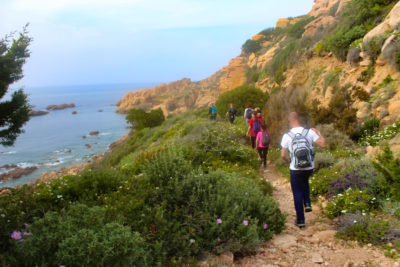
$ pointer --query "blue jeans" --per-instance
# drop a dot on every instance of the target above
(301, 190)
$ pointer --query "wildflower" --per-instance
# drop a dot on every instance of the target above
(26, 225)
(16, 235)
(192, 240)
(354, 221)
(245, 222)
(344, 211)
(59, 196)
(265, 226)
(219, 221)
(27, 233)
(219, 240)
(3, 215)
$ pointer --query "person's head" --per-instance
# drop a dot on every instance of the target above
(231, 105)
(294, 119)
(249, 106)
(263, 127)
(254, 114)
(258, 110)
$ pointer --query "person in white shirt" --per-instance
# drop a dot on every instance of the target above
(248, 114)
(299, 176)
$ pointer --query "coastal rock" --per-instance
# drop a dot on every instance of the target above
(84, 137)
(321, 7)
(62, 106)
(5, 191)
(257, 37)
(312, 28)
(284, 22)
(34, 113)
(100, 110)
(119, 142)
(88, 146)
(16, 173)
(94, 133)
(8, 166)
(74, 112)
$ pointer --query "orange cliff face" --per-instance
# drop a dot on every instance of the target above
(182, 95)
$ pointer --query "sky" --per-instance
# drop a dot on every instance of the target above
(80, 42)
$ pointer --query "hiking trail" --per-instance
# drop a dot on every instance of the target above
(314, 245)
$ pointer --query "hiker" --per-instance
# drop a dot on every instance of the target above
(248, 112)
(263, 140)
(298, 142)
(212, 112)
(254, 128)
(232, 112)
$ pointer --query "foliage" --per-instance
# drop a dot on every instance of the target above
(389, 166)
(363, 228)
(296, 30)
(241, 97)
(370, 127)
(373, 47)
(14, 113)
(320, 181)
(141, 119)
(397, 60)
(81, 236)
(332, 79)
(251, 46)
(335, 139)
(323, 160)
(375, 138)
(367, 74)
(357, 18)
(351, 200)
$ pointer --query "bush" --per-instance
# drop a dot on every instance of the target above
(397, 60)
(251, 46)
(373, 47)
(363, 228)
(320, 181)
(370, 127)
(141, 119)
(367, 74)
(241, 97)
(377, 137)
(335, 139)
(81, 236)
(296, 30)
(349, 202)
(389, 166)
(323, 160)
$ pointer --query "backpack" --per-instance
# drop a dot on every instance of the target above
(265, 139)
(214, 110)
(256, 126)
(249, 112)
(302, 152)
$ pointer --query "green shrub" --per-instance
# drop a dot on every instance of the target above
(363, 228)
(367, 74)
(81, 236)
(251, 46)
(335, 139)
(296, 30)
(351, 201)
(370, 127)
(241, 97)
(320, 181)
(332, 79)
(389, 166)
(323, 160)
(397, 60)
(373, 47)
(141, 119)
(377, 137)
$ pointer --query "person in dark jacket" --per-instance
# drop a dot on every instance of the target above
(231, 114)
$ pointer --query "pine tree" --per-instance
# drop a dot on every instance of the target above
(14, 112)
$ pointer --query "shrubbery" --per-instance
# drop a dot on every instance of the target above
(241, 97)
(251, 46)
(140, 119)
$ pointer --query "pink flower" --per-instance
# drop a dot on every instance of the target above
(219, 221)
(265, 226)
(219, 240)
(25, 233)
(245, 222)
(16, 235)
(26, 225)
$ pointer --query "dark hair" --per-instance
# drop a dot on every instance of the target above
(263, 127)
(249, 105)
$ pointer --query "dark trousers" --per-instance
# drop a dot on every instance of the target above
(253, 141)
(263, 152)
(231, 119)
(301, 190)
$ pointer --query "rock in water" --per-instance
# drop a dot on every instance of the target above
(74, 112)
(94, 133)
(62, 106)
(34, 113)
(16, 173)
(100, 110)
(88, 146)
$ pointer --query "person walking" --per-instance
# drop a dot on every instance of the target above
(232, 113)
(263, 140)
(298, 142)
(254, 128)
(212, 112)
(248, 112)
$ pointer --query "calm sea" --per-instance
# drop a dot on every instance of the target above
(55, 140)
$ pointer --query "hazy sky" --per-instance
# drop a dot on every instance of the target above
(126, 41)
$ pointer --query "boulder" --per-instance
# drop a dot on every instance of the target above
(257, 37)
(100, 110)
(342, 4)
(62, 106)
(390, 48)
(312, 28)
(390, 23)
(16, 173)
(94, 133)
(88, 146)
(74, 112)
(321, 7)
(33, 113)
(8, 166)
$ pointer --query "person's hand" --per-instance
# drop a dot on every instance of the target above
(316, 131)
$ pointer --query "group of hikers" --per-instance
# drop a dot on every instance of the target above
(297, 151)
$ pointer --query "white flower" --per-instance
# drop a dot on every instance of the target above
(192, 240)
(59, 196)
(344, 211)
(3, 215)
(354, 221)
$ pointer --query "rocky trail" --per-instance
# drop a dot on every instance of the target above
(314, 245)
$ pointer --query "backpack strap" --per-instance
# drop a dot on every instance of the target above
(291, 135)
(305, 132)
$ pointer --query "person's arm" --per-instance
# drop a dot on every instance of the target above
(285, 155)
(321, 140)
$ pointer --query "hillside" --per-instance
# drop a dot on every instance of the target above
(299, 53)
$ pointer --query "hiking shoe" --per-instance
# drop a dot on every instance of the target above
(308, 207)
(265, 166)
(300, 223)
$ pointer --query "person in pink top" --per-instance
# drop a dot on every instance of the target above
(263, 139)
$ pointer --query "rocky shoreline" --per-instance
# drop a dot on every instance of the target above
(63, 171)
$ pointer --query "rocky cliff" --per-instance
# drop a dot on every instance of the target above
(313, 69)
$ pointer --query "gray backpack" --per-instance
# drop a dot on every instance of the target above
(302, 152)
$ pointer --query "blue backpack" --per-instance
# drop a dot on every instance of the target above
(256, 126)
(214, 110)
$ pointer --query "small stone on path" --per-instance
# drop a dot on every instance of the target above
(285, 241)
(317, 258)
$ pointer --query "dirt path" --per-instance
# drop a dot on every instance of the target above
(314, 245)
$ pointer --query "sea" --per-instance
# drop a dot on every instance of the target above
(59, 138)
